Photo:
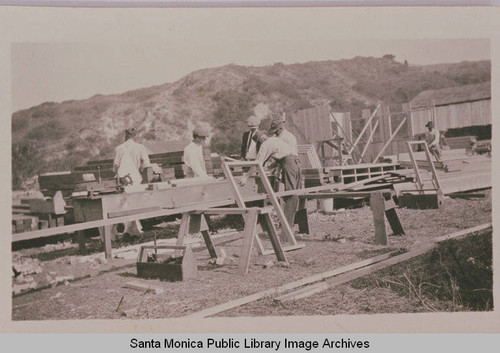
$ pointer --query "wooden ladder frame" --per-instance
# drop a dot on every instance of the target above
(435, 179)
(286, 228)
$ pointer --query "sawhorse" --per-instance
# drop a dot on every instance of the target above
(194, 222)
(381, 204)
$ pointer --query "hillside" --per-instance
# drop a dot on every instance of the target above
(59, 136)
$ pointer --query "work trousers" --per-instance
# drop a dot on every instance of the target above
(290, 167)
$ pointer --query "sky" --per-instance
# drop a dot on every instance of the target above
(63, 71)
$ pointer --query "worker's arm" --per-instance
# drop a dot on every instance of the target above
(116, 161)
(145, 162)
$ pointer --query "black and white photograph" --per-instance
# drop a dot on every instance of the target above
(263, 163)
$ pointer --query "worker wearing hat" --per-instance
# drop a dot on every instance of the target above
(277, 129)
(277, 149)
(249, 147)
(130, 157)
(432, 137)
(193, 154)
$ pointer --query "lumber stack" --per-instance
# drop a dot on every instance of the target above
(37, 213)
(309, 157)
(99, 176)
(316, 176)
(460, 142)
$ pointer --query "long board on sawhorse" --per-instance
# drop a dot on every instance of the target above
(287, 231)
(255, 218)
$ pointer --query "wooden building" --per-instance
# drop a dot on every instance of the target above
(454, 108)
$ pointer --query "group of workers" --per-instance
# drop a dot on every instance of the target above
(276, 148)
(279, 149)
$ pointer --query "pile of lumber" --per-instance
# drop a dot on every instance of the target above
(309, 157)
(99, 176)
(316, 177)
(460, 142)
(38, 213)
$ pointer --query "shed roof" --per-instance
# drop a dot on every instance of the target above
(452, 95)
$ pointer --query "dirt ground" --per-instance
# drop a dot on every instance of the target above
(92, 288)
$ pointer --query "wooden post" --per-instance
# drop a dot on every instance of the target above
(80, 235)
(377, 205)
(249, 235)
(107, 233)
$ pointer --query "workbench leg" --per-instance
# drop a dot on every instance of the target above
(80, 237)
(267, 225)
(248, 237)
(377, 204)
(108, 232)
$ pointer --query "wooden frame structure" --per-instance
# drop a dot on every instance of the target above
(287, 231)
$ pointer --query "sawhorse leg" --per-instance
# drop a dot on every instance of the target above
(250, 233)
(381, 209)
(195, 223)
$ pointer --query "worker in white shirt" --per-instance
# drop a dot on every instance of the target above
(130, 157)
(277, 129)
(432, 137)
(277, 149)
(249, 147)
(193, 154)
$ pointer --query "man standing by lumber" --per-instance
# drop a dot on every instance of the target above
(193, 154)
(130, 157)
(287, 158)
(432, 138)
(277, 129)
(249, 147)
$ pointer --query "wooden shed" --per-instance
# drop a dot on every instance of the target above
(452, 108)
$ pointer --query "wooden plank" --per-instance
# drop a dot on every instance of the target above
(464, 232)
(286, 227)
(370, 138)
(368, 123)
(382, 150)
(303, 292)
(286, 287)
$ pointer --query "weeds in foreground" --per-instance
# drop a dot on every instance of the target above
(457, 276)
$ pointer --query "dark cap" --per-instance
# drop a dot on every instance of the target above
(276, 124)
(131, 132)
(429, 124)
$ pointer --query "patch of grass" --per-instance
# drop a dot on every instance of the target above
(457, 275)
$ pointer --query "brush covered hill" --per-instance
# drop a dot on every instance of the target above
(59, 136)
